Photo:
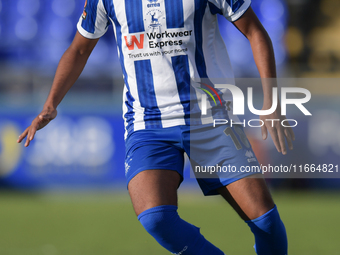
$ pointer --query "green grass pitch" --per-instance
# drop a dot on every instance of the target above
(105, 224)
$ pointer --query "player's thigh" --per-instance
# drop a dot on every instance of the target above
(154, 167)
(151, 188)
(229, 148)
(250, 197)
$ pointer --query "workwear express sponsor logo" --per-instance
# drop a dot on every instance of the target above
(156, 40)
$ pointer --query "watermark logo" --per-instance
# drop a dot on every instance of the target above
(213, 90)
(238, 99)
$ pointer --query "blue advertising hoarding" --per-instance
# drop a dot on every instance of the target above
(74, 150)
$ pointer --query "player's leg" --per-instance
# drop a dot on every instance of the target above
(151, 188)
(154, 198)
(228, 148)
(251, 199)
(154, 192)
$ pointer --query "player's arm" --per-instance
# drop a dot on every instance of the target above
(263, 53)
(69, 68)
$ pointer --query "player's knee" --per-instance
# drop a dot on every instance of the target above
(270, 233)
(267, 222)
(258, 212)
(159, 220)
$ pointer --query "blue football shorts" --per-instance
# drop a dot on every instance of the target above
(218, 155)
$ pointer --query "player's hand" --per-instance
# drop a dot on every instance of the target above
(38, 123)
(278, 133)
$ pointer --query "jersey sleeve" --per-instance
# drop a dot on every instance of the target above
(231, 9)
(94, 22)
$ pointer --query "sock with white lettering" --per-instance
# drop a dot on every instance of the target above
(175, 234)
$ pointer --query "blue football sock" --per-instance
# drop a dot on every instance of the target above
(175, 234)
(270, 234)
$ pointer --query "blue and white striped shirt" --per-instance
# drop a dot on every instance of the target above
(163, 46)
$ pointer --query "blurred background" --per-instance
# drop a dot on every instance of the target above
(66, 193)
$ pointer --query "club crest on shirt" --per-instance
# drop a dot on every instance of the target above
(154, 17)
(84, 12)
